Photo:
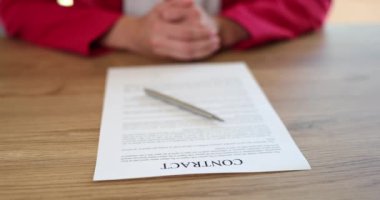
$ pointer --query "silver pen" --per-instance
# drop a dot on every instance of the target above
(181, 104)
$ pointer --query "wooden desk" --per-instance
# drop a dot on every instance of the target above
(325, 87)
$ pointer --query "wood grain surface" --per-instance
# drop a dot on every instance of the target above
(325, 87)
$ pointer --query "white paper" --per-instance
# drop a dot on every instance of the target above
(144, 137)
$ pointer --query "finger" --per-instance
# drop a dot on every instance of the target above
(186, 50)
(186, 32)
(205, 49)
(189, 14)
(174, 14)
(193, 51)
(191, 17)
(200, 16)
(195, 13)
(181, 3)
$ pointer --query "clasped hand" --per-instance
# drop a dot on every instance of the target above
(177, 29)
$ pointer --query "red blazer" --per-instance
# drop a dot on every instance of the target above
(76, 29)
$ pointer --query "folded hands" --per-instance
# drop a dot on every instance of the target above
(177, 29)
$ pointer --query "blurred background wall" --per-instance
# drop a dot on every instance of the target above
(345, 12)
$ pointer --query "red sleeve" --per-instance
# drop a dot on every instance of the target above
(44, 22)
(271, 20)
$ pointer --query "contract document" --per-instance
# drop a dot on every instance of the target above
(143, 137)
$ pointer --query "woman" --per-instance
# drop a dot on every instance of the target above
(178, 29)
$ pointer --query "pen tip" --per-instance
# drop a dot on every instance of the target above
(218, 119)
